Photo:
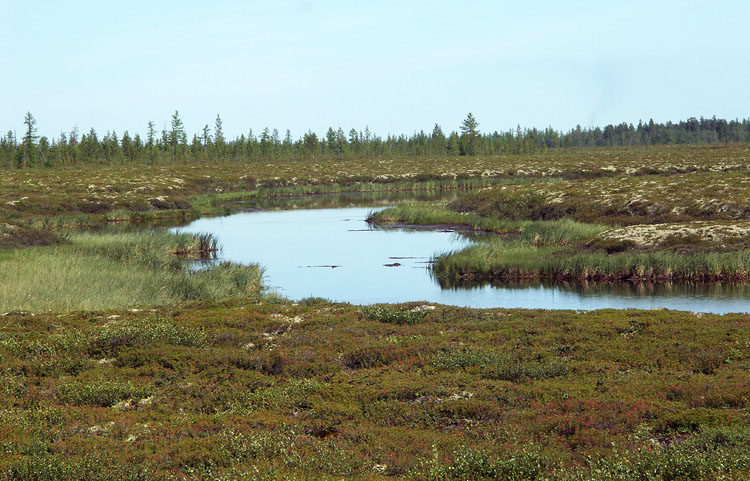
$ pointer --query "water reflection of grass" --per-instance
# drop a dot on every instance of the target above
(634, 288)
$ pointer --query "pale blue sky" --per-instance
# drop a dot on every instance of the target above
(396, 66)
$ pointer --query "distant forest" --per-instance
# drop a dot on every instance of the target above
(172, 144)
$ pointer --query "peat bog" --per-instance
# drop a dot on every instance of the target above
(119, 360)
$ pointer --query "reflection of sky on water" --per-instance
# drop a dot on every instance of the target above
(292, 245)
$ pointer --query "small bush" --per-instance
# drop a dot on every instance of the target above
(270, 363)
(368, 357)
(314, 301)
(471, 464)
(452, 358)
(101, 393)
(691, 420)
(395, 315)
(497, 365)
(114, 338)
(611, 246)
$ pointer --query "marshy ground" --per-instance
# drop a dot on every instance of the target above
(118, 362)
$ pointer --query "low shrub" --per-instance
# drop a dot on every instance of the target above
(395, 314)
(368, 357)
(111, 339)
(497, 365)
(472, 464)
(100, 393)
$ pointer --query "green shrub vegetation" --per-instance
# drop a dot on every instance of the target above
(102, 394)
(395, 315)
(250, 389)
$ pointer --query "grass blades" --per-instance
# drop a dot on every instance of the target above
(105, 271)
(507, 261)
(559, 232)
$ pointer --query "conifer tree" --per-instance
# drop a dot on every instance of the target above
(177, 136)
(219, 137)
(470, 138)
(29, 140)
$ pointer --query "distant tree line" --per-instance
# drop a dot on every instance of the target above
(172, 143)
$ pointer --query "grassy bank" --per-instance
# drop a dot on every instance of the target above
(312, 390)
(508, 261)
(105, 271)
(568, 250)
(560, 232)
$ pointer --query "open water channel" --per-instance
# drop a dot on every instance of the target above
(333, 253)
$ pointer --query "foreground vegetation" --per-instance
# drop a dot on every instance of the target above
(312, 390)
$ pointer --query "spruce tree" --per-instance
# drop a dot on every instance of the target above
(29, 140)
(470, 139)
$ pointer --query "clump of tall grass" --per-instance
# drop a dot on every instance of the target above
(708, 266)
(493, 260)
(159, 250)
(105, 271)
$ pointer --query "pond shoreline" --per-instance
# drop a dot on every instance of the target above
(365, 270)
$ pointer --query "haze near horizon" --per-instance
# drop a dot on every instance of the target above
(392, 66)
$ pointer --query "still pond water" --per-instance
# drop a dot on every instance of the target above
(333, 253)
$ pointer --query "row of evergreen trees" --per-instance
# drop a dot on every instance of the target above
(172, 144)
